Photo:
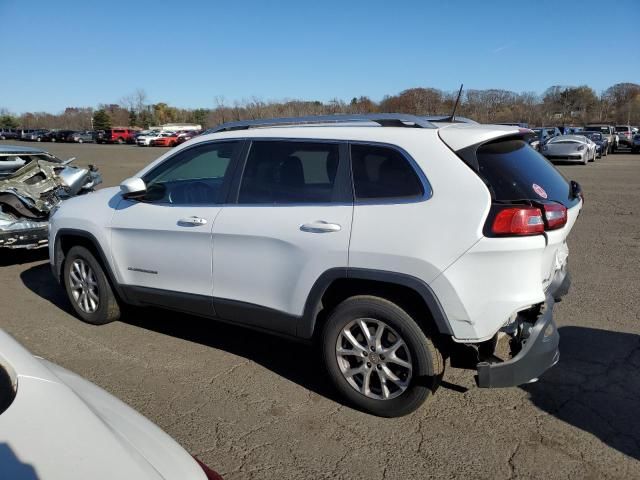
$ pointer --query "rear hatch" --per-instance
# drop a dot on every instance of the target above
(517, 175)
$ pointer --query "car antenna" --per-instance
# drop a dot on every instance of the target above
(452, 118)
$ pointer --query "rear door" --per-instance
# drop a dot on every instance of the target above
(288, 222)
(515, 173)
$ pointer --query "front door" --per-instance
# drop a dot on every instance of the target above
(164, 241)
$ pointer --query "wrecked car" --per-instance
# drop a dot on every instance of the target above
(32, 185)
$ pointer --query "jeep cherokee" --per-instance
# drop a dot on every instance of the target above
(386, 238)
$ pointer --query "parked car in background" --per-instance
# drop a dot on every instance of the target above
(32, 185)
(543, 135)
(188, 135)
(570, 148)
(145, 140)
(56, 425)
(61, 135)
(117, 135)
(9, 134)
(165, 139)
(87, 136)
(635, 147)
(35, 135)
(23, 132)
(602, 143)
(625, 135)
(295, 213)
(608, 131)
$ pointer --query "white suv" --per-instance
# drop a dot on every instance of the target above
(387, 238)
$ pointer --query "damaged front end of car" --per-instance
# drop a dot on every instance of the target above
(32, 185)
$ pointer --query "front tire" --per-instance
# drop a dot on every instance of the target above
(379, 358)
(88, 288)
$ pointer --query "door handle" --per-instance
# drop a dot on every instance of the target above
(192, 221)
(320, 226)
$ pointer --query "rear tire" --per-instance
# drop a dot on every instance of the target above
(406, 384)
(88, 288)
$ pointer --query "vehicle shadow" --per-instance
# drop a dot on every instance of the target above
(17, 256)
(297, 361)
(12, 468)
(596, 386)
(40, 281)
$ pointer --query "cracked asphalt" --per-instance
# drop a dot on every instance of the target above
(254, 406)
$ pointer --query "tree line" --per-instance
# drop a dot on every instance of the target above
(558, 105)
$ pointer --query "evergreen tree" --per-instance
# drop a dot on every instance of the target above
(101, 120)
(8, 121)
(133, 118)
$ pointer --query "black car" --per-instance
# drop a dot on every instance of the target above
(9, 134)
(62, 135)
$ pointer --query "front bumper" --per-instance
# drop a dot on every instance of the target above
(540, 350)
(28, 239)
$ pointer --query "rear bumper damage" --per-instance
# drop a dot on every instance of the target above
(535, 340)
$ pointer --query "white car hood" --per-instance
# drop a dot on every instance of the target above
(61, 426)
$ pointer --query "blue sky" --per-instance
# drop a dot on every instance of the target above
(65, 53)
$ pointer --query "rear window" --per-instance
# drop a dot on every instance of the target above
(622, 129)
(514, 171)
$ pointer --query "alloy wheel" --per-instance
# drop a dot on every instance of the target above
(374, 359)
(84, 286)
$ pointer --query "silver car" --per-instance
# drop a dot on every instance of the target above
(570, 148)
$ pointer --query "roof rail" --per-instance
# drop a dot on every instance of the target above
(447, 119)
(382, 119)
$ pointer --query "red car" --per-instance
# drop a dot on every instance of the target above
(165, 140)
(117, 135)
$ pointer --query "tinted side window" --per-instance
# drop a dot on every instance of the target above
(383, 173)
(191, 177)
(279, 172)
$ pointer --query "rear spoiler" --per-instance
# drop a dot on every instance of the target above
(465, 141)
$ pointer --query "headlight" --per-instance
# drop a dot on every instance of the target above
(581, 147)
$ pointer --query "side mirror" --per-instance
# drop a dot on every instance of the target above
(133, 188)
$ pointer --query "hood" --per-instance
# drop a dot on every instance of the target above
(62, 426)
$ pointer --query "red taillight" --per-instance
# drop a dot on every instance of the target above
(518, 221)
(211, 474)
(555, 215)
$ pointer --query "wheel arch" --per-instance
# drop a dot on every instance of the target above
(67, 238)
(407, 291)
